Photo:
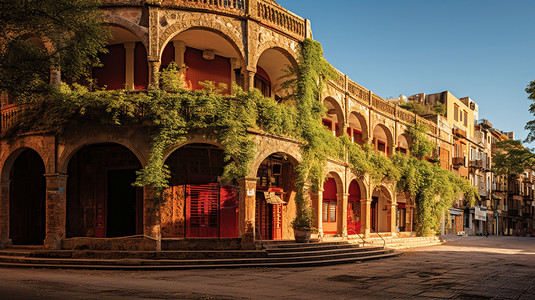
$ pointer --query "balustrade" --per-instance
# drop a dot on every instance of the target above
(362, 94)
(9, 115)
(281, 18)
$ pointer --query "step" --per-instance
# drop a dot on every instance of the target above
(166, 254)
(306, 249)
(303, 245)
(203, 266)
(322, 251)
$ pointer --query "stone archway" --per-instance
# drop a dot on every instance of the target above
(27, 199)
(101, 201)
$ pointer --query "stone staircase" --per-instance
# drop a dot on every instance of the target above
(397, 242)
(276, 254)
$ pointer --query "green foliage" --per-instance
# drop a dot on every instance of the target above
(73, 31)
(420, 147)
(511, 158)
(424, 109)
(432, 189)
(314, 71)
(530, 89)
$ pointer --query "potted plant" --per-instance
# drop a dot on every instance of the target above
(302, 225)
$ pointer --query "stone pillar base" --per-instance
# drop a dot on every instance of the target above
(52, 242)
(4, 243)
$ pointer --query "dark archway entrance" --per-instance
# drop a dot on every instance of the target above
(274, 189)
(353, 208)
(101, 201)
(196, 204)
(27, 200)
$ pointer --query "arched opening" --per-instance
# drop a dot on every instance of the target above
(275, 193)
(196, 204)
(382, 140)
(334, 119)
(403, 144)
(381, 210)
(404, 216)
(271, 66)
(101, 201)
(330, 207)
(207, 56)
(125, 66)
(357, 130)
(27, 198)
(353, 208)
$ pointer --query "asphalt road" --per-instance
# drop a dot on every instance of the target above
(463, 268)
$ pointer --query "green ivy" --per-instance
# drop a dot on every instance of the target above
(172, 112)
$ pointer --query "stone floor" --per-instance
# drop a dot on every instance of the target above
(463, 268)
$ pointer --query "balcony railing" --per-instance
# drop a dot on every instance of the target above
(9, 115)
(280, 18)
(216, 5)
(477, 164)
(457, 161)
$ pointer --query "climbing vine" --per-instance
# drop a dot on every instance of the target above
(170, 113)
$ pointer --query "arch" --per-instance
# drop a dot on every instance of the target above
(270, 66)
(208, 55)
(101, 201)
(27, 199)
(263, 156)
(332, 188)
(202, 24)
(403, 143)
(275, 196)
(381, 205)
(288, 47)
(358, 128)
(334, 116)
(196, 204)
(138, 31)
(125, 65)
(354, 217)
(10, 160)
(76, 144)
(382, 139)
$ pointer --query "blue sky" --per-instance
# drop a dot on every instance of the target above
(482, 49)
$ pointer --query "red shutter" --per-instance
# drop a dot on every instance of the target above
(228, 217)
(202, 210)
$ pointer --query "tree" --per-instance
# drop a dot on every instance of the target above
(530, 89)
(39, 35)
(511, 158)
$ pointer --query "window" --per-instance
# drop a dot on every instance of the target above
(263, 85)
(329, 211)
(456, 113)
(465, 118)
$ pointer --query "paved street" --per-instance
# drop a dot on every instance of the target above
(464, 268)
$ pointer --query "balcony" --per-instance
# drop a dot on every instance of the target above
(9, 115)
(477, 164)
(458, 161)
(459, 132)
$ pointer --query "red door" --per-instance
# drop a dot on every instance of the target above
(202, 210)
(353, 208)
(228, 214)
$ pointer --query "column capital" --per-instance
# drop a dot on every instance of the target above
(248, 179)
(129, 45)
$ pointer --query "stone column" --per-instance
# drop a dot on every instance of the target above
(154, 69)
(180, 49)
(129, 65)
(246, 214)
(317, 206)
(342, 213)
(55, 75)
(365, 217)
(393, 217)
(233, 66)
(56, 209)
(4, 214)
(249, 79)
(152, 223)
